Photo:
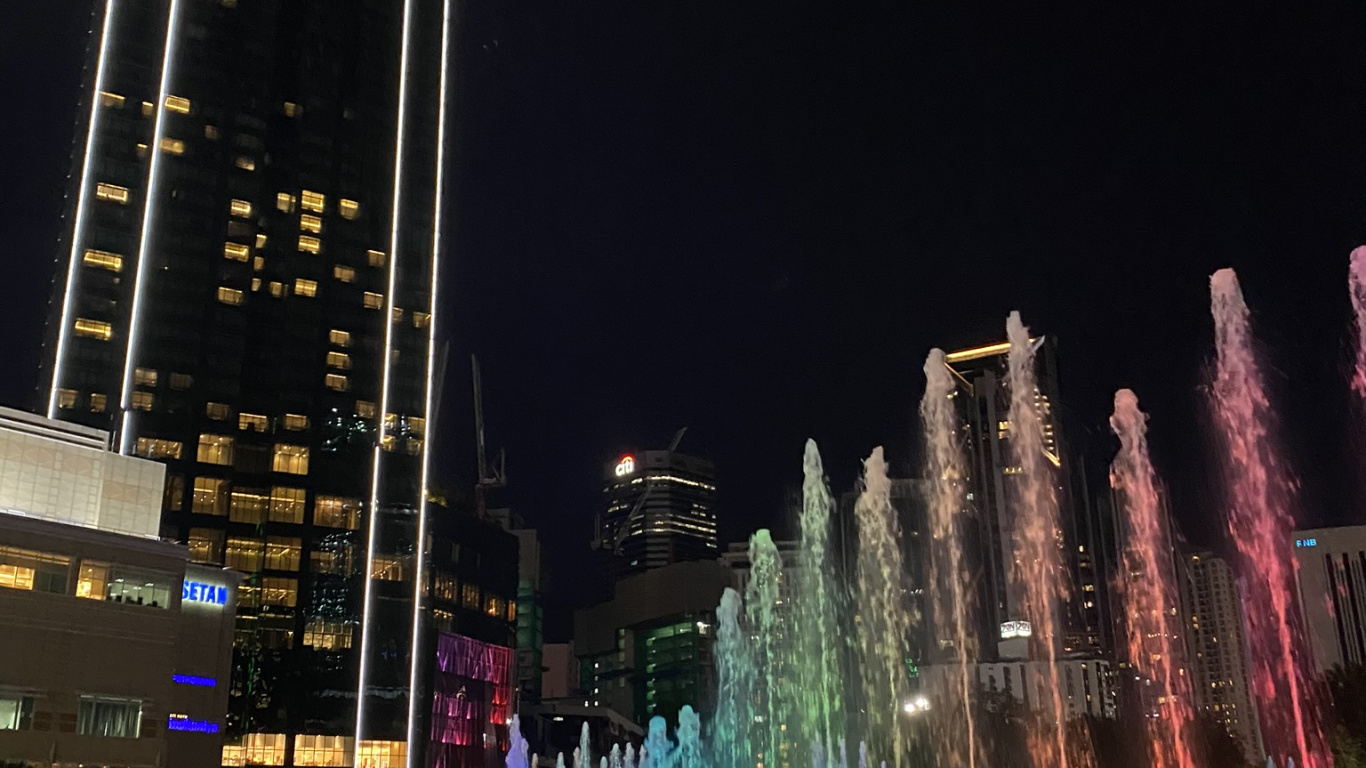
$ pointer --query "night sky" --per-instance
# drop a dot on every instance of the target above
(754, 219)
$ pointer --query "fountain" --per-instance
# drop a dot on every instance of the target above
(1260, 496)
(1356, 285)
(1149, 589)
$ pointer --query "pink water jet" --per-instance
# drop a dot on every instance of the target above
(1149, 587)
(1260, 496)
(1356, 283)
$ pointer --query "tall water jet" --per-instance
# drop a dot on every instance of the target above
(1150, 589)
(1260, 495)
(768, 645)
(1038, 570)
(884, 616)
(517, 746)
(1356, 283)
(689, 751)
(820, 687)
(952, 602)
(730, 740)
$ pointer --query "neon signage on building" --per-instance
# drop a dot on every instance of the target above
(626, 465)
(197, 592)
(1011, 629)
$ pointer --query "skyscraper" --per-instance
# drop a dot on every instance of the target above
(246, 292)
(660, 509)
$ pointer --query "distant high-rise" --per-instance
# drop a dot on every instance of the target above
(660, 509)
(1332, 584)
(1216, 647)
(246, 292)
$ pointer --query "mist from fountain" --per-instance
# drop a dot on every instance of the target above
(1260, 497)
(1149, 587)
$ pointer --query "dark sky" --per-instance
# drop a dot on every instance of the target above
(754, 219)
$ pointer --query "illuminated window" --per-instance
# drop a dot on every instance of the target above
(209, 497)
(31, 570)
(512, 614)
(334, 559)
(150, 448)
(206, 546)
(143, 401)
(290, 459)
(444, 587)
(147, 108)
(376, 258)
(469, 596)
(255, 284)
(236, 251)
(181, 381)
(245, 163)
(283, 553)
(254, 421)
(178, 104)
(214, 449)
(294, 421)
(373, 300)
(245, 554)
(98, 402)
(337, 382)
(277, 288)
(343, 273)
(248, 505)
(365, 409)
(396, 314)
(103, 260)
(290, 109)
(417, 425)
(339, 360)
(326, 635)
(284, 202)
(493, 606)
(279, 591)
(421, 319)
(312, 201)
(310, 223)
(94, 329)
(349, 209)
(260, 243)
(211, 132)
(92, 581)
(111, 192)
(339, 338)
(382, 754)
(310, 244)
(172, 146)
(389, 568)
(66, 398)
(141, 151)
(240, 208)
(229, 296)
(286, 504)
(304, 287)
(109, 717)
(144, 377)
(216, 411)
(108, 99)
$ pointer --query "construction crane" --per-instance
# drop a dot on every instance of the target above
(490, 477)
(625, 528)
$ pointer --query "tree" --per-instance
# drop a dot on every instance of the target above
(1347, 686)
(1215, 747)
(1348, 751)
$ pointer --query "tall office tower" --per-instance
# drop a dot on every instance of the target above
(661, 509)
(1217, 647)
(1332, 584)
(983, 400)
(246, 292)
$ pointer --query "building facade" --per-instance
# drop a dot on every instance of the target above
(1332, 584)
(660, 508)
(1216, 646)
(245, 292)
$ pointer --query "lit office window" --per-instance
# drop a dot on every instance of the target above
(310, 244)
(339, 338)
(349, 209)
(382, 754)
(214, 449)
(445, 587)
(283, 553)
(248, 505)
(16, 712)
(343, 273)
(111, 192)
(260, 243)
(421, 319)
(181, 381)
(94, 329)
(147, 108)
(396, 314)
(144, 377)
(469, 596)
(284, 202)
(254, 421)
(143, 401)
(310, 223)
(245, 554)
(291, 109)
(389, 568)
(209, 497)
(373, 300)
(103, 260)
(245, 163)
(109, 717)
(216, 411)
(230, 296)
(376, 258)
(339, 360)
(28, 569)
(66, 398)
(98, 402)
(108, 99)
(294, 421)
(336, 512)
(286, 504)
(240, 208)
(178, 104)
(365, 409)
(92, 580)
(512, 611)
(417, 425)
(325, 635)
(312, 201)
(212, 133)
(172, 146)
(493, 606)
(206, 546)
(277, 288)
(236, 251)
(141, 151)
(308, 288)
(276, 590)
(335, 561)
(336, 382)
(256, 748)
(290, 459)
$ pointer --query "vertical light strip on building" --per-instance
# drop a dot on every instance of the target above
(414, 701)
(144, 237)
(82, 200)
(389, 305)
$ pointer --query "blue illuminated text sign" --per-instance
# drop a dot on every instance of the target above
(195, 592)
(1306, 543)
(207, 682)
(180, 723)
